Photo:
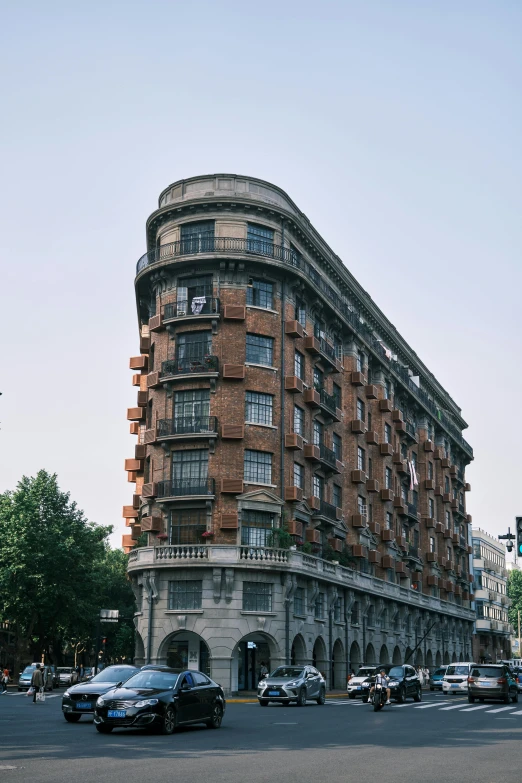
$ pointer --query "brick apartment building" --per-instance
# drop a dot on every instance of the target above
(298, 471)
(492, 639)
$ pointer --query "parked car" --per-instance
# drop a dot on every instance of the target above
(24, 683)
(492, 681)
(80, 699)
(162, 698)
(65, 674)
(436, 678)
(289, 684)
(404, 682)
(87, 673)
(358, 686)
(456, 678)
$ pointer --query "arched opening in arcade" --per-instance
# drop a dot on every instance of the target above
(397, 657)
(320, 657)
(438, 659)
(186, 650)
(139, 650)
(253, 653)
(418, 658)
(298, 652)
(454, 658)
(355, 657)
(429, 660)
(446, 659)
(338, 666)
(369, 658)
(384, 656)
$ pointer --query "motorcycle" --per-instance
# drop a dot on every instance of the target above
(378, 697)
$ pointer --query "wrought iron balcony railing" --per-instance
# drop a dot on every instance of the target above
(327, 400)
(197, 305)
(186, 487)
(327, 455)
(190, 364)
(187, 425)
(326, 510)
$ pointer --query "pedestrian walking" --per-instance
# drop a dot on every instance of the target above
(263, 671)
(5, 679)
(36, 681)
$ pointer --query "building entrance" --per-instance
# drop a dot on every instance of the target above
(250, 657)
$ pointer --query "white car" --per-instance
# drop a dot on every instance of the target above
(359, 686)
(456, 678)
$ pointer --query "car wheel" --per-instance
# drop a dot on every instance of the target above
(71, 717)
(168, 724)
(263, 702)
(217, 717)
(322, 697)
(471, 699)
(515, 698)
(507, 698)
(431, 689)
(350, 695)
(301, 698)
(401, 696)
(103, 728)
(418, 695)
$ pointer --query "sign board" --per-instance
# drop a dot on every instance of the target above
(109, 615)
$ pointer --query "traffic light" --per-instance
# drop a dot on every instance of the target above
(519, 536)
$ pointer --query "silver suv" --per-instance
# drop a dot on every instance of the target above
(292, 684)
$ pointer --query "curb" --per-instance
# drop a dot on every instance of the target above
(254, 701)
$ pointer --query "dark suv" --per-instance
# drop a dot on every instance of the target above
(404, 682)
(492, 681)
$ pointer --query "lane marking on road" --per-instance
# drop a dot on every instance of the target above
(453, 707)
(285, 724)
(502, 709)
(516, 713)
(426, 706)
(472, 709)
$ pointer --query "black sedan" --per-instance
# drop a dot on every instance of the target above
(161, 698)
(81, 699)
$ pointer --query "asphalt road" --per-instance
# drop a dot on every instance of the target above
(449, 740)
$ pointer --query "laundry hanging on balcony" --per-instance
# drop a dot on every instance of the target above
(197, 304)
(414, 482)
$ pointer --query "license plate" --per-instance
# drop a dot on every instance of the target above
(84, 705)
(116, 713)
(358, 688)
(486, 685)
(455, 686)
(273, 693)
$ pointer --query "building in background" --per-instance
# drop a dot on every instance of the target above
(299, 473)
(492, 637)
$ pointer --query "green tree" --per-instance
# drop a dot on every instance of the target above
(55, 569)
(514, 591)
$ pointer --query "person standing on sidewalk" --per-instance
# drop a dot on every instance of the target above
(36, 681)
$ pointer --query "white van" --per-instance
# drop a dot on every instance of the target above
(456, 678)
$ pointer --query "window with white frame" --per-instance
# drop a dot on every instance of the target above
(259, 349)
(257, 467)
(259, 407)
(299, 419)
(299, 365)
(361, 458)
(260, 294)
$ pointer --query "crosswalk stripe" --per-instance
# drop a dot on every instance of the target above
(472, 709)
(453, 707)
(517, 713)
(502, 709)
(426, 706)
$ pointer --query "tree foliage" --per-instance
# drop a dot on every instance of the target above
(56, 567)
(514, 591)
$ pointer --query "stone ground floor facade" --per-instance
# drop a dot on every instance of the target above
(227, 610)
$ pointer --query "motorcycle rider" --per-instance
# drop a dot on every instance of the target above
(381, 679)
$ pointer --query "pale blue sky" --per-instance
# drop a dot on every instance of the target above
(395, 126)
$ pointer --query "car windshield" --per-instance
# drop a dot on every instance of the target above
(396, 671)
(457, 670)
(439, 671)
(486, 671)
(153, 679)
(113, 674)
(288, 671)
(29, 669)
(366, 672)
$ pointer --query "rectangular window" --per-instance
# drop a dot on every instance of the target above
(432, 544)
(299, 365)
(190, 472)
(257, 597)
(298, 475)
(387, 433)
(185, 594)
(430, 470)
(388, 478)
(300, 312)
(431, 507)
(319, 607)
(190, 405)
(317, 432)
(187, 526)
(318, 379)
(256, 528)
(389, 520)
(318, 487)
(337, 395)
(259, 407)
(257, 467)
(370, 467)
(260, 294)
(361, 458)
(446, 485)
(260, 239)
(369, 421)
(299, 417)
(448, 520)
(387, 390)
(337, 496)
(197, 237)
(299, 601)
(360, 410)
(338, 610)
(337, 446)
(360, 361)
(259, 350)
(193, 288)
(361, 505)
(193, 345)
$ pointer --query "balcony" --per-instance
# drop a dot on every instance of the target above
(179, 489)
(411, 432)
(318, 346)
(325, 456)
(412, 512)
(200, 366)
(187, 428)
(320, 508)
(198, 308)
(327, 404)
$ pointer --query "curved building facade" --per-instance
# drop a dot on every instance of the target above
(299, 473)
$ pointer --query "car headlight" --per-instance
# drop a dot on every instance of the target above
(100, 702)
(261, 684)
(66, 695)
(292, 684)
(146, 703)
